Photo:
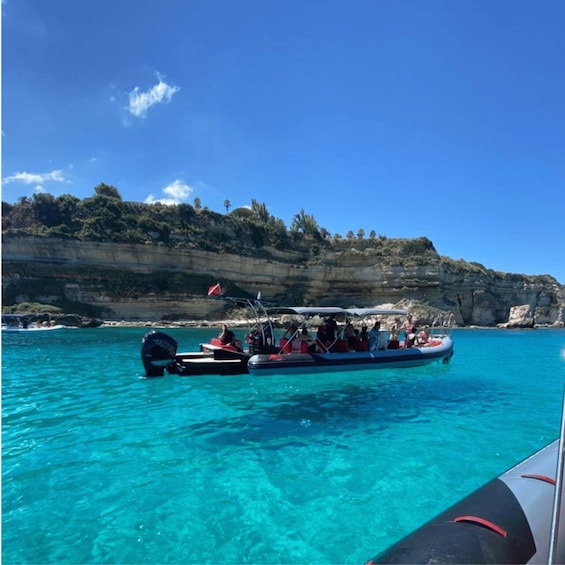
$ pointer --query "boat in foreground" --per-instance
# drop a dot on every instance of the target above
(266, 355)
(511, 519)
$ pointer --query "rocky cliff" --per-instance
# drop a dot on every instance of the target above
(122, 281)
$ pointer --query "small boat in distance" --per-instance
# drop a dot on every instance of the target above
(343, 348)
(15, 323)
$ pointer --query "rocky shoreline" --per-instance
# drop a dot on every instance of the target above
(176, 324)
(520, 317)
(248, 324)
(75, 321)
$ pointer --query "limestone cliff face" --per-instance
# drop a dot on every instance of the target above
(149, 282)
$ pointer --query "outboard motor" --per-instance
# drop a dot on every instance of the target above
(158, 351)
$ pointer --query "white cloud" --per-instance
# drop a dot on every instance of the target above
(175, 193)
(140, 102)
(35, 178)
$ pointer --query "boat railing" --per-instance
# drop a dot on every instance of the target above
(262, 336)
(442, 326)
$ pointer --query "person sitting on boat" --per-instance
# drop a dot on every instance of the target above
(424, 336)
(260, 339)
(256, 339)
(362, 342)
(392, 340)
(323, 342)
(306, 338)
(227, 337)
(291, 332)
(410, 339)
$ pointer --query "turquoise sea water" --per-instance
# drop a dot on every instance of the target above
(100, 465)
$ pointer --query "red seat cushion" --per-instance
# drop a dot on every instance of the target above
(362, 345)
(341, 346)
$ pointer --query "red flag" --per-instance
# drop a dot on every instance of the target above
(215, 290)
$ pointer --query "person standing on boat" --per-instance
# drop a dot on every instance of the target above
(394, 329)
(331, 328)
(374, 336)
(349, 335)
(408, 326)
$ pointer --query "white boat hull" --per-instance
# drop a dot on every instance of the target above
(10, 329)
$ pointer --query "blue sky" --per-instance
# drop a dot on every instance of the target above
(437, 118)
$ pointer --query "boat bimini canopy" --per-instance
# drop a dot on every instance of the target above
(328, 310)
(376, 311)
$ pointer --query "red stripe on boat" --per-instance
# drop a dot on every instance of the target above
(543, 478)
(482, 522)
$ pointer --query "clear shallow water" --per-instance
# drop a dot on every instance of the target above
(102, 466)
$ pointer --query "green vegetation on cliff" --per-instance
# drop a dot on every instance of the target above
(249, 231)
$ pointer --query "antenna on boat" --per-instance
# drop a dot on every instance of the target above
(554, 532)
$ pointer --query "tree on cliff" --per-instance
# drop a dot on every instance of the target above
(306, 224)
(102, 215)
(20, 216)
(46, 210)
(263, 228)
(108, 191)
(68, 210)
(260, 212)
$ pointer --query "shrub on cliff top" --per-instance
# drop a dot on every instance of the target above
(31, 308)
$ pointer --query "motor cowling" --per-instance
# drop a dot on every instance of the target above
(158, 351)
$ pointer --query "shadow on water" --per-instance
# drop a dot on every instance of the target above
(271, 416)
